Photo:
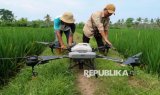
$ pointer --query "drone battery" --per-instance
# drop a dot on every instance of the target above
(82, 55)
(81, 47)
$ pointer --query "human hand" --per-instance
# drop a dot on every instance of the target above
(63, 46)
(110, 44)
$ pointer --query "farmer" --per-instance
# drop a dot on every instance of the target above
(97, 26)
(64, 23)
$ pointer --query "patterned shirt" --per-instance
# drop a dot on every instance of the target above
(60, 26)
(97, 22)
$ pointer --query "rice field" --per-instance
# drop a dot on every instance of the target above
(53, 77)
(132, 41)
(20, 42)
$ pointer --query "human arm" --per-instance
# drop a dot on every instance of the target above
(102, 30)
(57, 31)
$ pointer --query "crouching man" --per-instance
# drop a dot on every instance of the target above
(64, 24)
(97, 26)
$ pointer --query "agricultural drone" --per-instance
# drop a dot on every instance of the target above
(79, 54)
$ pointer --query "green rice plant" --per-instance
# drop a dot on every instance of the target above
(132, 41)
(19, 42)
(53, 79)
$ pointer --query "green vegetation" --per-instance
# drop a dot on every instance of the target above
(132, 41)
(140, 84)
(19, 42)
(7, 19)
(54, 79)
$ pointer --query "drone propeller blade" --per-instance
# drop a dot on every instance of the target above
(52, 45)
(110, 58)
(44, 43)
(137, 55)
(12, 58)
(47, 58)
(106, 46)
(129, 61)
(133, 59)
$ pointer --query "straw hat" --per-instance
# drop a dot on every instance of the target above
(110, 8)
(67, 17)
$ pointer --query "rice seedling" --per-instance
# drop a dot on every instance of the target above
(19, 42)
(132, 41)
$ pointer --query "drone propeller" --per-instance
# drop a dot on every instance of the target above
(36, 60)
(110, 58)
(52, 45)
(133, 60)
(55, 45)
(106, 46)
(44, 43)
(12, 58)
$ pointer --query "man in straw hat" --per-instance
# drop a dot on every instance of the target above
(64, 23)
(97, 26)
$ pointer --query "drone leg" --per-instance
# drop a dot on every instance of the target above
(80, 65)
(70, 66)
(133, 68)
(131, 73)
(89, 65)
(96, 75)
(94, 67)
(34, 74)
(70, 62)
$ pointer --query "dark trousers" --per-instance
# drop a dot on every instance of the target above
(98, 38)
(67, 34)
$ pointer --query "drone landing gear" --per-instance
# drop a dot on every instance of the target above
(132, 71)
(34, 74)
(81, 63)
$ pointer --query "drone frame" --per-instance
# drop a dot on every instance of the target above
(36, 60)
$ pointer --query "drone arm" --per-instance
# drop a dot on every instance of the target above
(110, 58)
(45, 59)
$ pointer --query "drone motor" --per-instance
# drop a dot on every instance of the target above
(32, 60)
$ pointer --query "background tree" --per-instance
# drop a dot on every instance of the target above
(158, 22)
(118, 24)
(146, 20)
(122, 21)
(6, 15)
(139, 20)
(48, 20)
(22, 22)
(129, 22)
(37, 23)
(152, 21)
(80, 24)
